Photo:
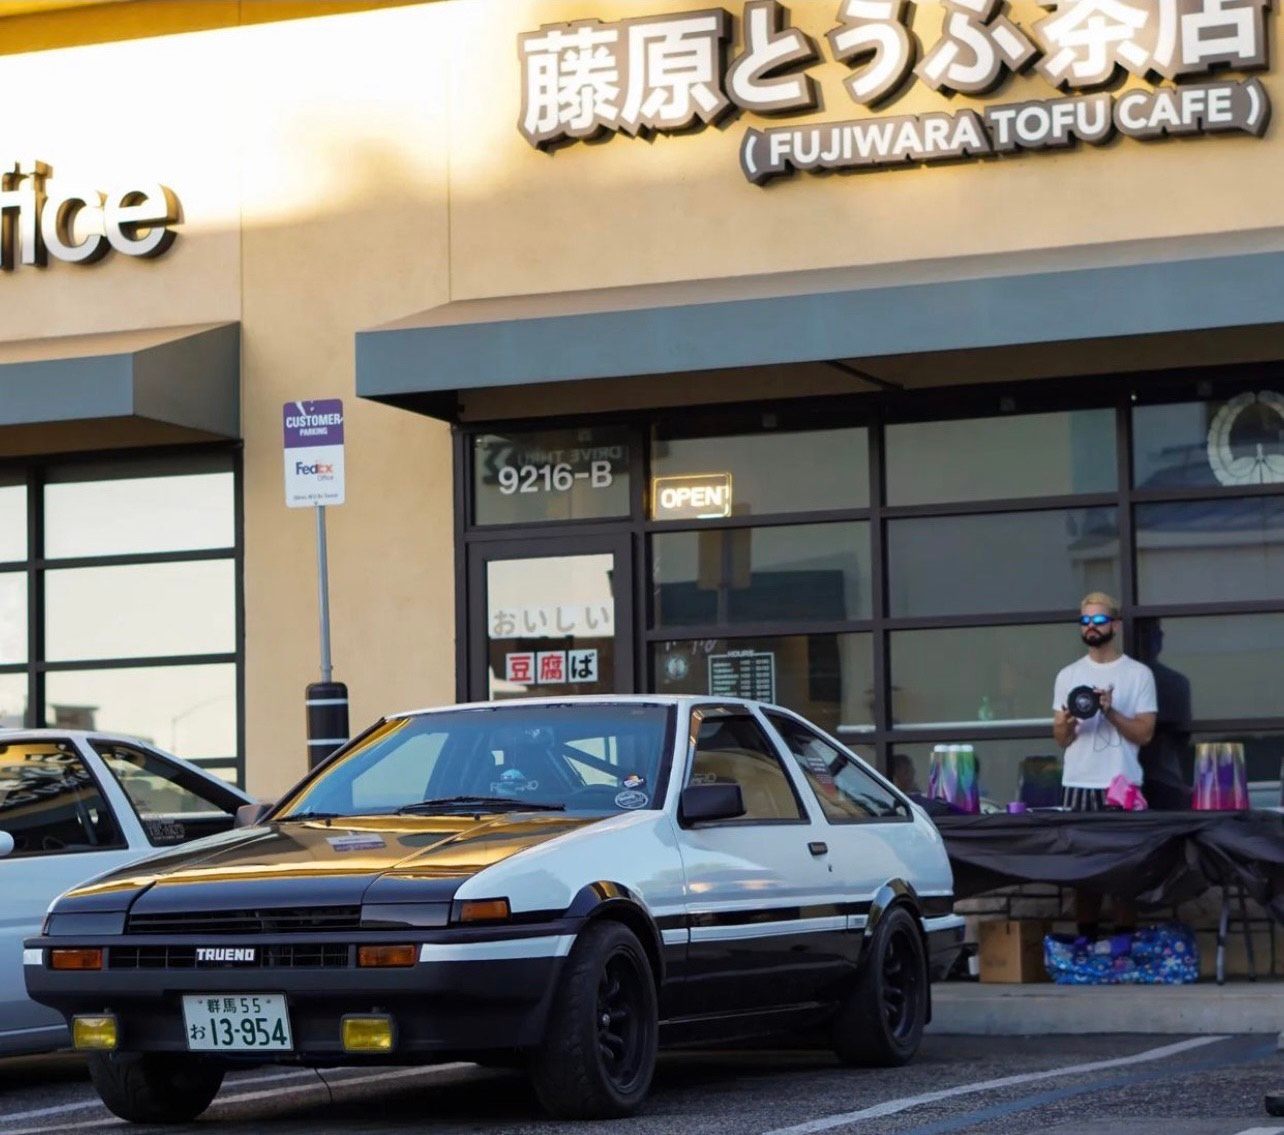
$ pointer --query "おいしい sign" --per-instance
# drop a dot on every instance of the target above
(313, 453)
(667, 73)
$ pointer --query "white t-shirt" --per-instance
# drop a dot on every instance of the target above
(1099, 752)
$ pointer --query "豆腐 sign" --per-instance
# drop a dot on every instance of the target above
(667, 73)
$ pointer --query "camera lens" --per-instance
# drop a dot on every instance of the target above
(1083, 702)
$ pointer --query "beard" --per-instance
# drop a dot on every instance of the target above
(1094, 637)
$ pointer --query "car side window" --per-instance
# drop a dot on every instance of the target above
(172, 803)
(732, 749)
(845, 791)
(50, 802)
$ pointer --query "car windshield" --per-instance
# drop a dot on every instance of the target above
(581, 758)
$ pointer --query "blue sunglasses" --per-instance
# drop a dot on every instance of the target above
(1094, 620)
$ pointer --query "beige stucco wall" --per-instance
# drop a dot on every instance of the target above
(341, 172)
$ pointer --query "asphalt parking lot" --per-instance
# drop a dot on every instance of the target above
(1055, 1086)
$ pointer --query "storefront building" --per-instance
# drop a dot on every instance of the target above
(801, 351)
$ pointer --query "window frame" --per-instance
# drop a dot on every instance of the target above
(905, 810)
(38, 471)
(772, 748)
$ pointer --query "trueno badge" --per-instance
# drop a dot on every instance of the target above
(226, 955)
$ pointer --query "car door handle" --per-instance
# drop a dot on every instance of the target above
(818, 847)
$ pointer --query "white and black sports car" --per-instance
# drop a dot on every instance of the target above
(564, 884)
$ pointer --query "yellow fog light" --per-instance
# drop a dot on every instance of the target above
(94, 1032)
(367, 1034)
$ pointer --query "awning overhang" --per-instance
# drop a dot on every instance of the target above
(1135, 292)
(147, 385)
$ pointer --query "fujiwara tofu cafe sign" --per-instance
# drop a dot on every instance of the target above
(688, 70)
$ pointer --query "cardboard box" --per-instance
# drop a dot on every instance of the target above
(1013, 951)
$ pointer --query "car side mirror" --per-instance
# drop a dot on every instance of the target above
(248, 815)
(6, 844)
(704, 802)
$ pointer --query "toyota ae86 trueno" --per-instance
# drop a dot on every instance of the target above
(560, 885)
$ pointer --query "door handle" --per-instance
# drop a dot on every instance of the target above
(818, 847)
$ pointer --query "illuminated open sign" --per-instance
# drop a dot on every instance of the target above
(699, 496)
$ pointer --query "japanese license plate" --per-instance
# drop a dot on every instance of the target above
(238, 1022)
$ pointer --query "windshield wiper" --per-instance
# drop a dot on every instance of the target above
(314, 816)
(472, 802)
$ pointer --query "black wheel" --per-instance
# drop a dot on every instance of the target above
(881, 1022)
(155, 1087)
(598, 1053)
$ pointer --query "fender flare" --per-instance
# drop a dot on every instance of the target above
(607, 899)
(894, 893)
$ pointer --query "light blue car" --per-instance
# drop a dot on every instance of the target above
(73, 805)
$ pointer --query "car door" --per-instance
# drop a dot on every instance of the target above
(65, 830)
(765, 932)
(873, 839)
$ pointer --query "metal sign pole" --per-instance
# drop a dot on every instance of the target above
(323, 595)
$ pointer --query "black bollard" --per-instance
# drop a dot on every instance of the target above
(327, 707)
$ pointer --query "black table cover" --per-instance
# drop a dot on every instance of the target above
(1154, 857)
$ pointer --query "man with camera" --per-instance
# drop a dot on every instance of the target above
(1104, 710)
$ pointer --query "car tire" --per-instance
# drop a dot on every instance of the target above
(881, 1022)
(155, 1087)
(598, 1053)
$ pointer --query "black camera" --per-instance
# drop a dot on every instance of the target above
(1084, 702)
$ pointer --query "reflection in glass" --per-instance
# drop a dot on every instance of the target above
(550, 626)
(13, 700)
(1029, 771)
(117, 516)
(141, 610)
(1210, 550)
(13, 521)
(1034, 455)
(776, 471)
(1015, 561)
(973, 676)
(724, 575)
(827, 678)
(574, 474)
(13, 617)
(1227, 443)
(1233, 663)
(187, 710)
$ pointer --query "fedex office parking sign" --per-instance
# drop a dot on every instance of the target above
(313, 453)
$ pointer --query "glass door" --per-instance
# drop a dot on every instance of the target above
(549, 616)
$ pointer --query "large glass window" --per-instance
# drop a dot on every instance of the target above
(768, 472)
(1033, 455)
(1234, 664)
(1209, 551)
(137, 600)
(970, 676)
(828, 678)
(1226, 443)
(743, 575)
(575, 474)
(1006, 561)
(13, 518)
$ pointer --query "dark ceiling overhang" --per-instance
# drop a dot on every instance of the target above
(848, 320)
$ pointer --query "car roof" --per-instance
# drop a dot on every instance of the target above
(589, 699)
(11, 733)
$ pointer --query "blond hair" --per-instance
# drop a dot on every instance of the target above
(1101, 599)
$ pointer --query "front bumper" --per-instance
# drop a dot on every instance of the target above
(469, 992)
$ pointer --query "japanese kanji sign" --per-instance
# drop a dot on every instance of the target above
(667, 74)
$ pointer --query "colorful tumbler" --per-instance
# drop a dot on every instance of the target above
(1220, 782)
(952, 777)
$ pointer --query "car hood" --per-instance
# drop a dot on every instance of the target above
(317, 863)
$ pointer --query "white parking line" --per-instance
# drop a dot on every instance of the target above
(238, 1097)
(893, 1107)
(1262, 1131)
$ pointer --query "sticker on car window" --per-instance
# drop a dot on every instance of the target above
(166, 831)
(511, 781)
(634, 780)
(630, 799)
